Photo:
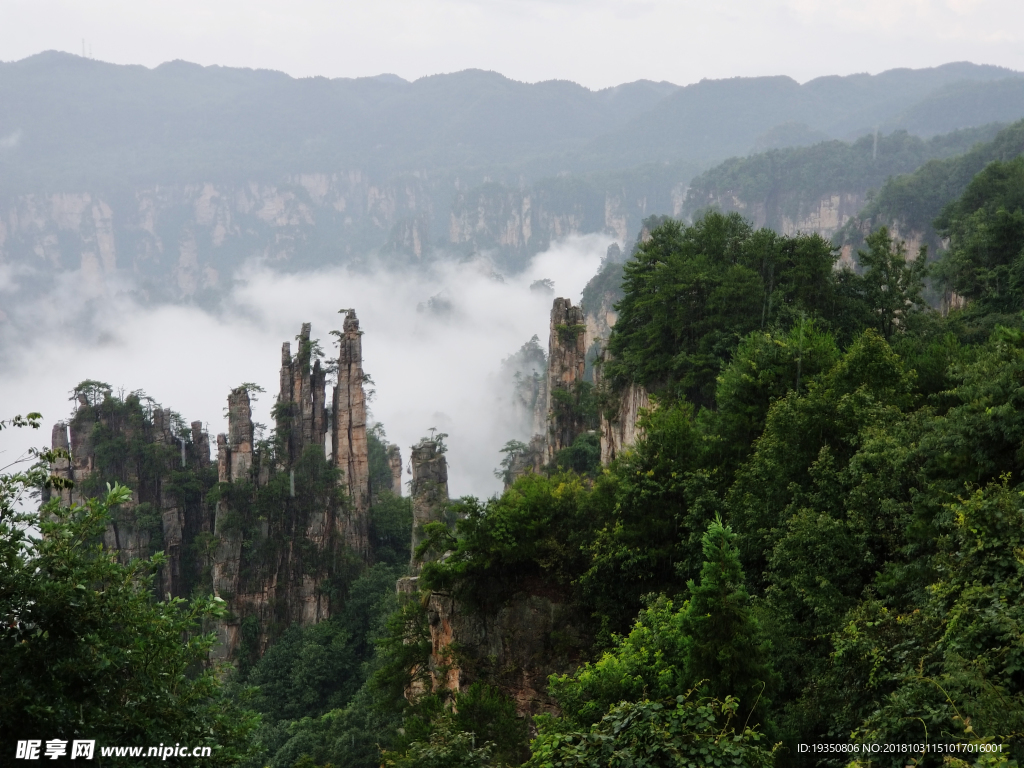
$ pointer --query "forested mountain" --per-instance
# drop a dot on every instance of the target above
(808, 552)
(909, 204)
(819, 188)
(717, 119)
(814, 538)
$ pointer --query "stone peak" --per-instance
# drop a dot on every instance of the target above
(351, 322)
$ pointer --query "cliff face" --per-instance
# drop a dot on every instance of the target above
(620, 431)
(395, 465)
(825, 214)
(517, 647)
(182, 240)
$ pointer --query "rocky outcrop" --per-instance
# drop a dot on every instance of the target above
(395, 465)
(112, 440)
(567, 351)
(61, 468)
(515, 647)
(277, 529)
(429, 492)
(234, 450)
(601, 319)
(271, 564)
(234, 465)
(531, 459)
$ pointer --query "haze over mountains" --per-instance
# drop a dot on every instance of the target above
(79, 121)
(178, 175)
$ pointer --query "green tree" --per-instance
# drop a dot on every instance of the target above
(85, 649)
(656, 503)
(891, 287)
(446, 747)
(513, 449)
(726, 647)
(582, 457)
(649, 662)
(676, 733)
(951, 668)
(692, 292)
(985, 227)
(765, 367)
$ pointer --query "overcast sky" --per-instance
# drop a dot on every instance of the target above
(596, 43)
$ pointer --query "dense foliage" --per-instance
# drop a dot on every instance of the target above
(87, 652)
(866, 465)
(985, 227)
(693, 292)
(913, 201)
(790, 183)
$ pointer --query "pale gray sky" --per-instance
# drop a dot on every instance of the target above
(596, 43)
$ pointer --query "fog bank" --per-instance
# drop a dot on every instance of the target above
(433, 343)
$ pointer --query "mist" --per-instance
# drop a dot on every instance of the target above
(433, 343)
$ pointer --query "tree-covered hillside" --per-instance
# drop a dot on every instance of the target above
(784, 188)
(717, 119)
(912, 202)
(815, 541)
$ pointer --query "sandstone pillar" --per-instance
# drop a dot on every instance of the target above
(301, 413)
(567, 351)
(349, 444)
(429, 491)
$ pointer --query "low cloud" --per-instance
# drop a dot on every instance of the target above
(11, 140)
(434, 363)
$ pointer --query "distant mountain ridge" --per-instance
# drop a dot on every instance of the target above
(81, 121)
(177, 175)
